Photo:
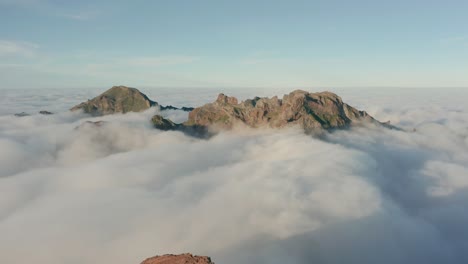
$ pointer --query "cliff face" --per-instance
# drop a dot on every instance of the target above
(178, 259)
(118, 99)
(310, 111)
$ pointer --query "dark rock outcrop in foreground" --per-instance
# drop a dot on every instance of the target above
(161, 123)
(178, 259)
(164, 124)
(311, 111)
(118, 99)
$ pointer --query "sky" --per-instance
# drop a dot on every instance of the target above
(73, 44)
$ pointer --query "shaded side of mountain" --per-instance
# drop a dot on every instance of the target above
(178, 259)
(311, 111)
(118, 99)
(164, 124)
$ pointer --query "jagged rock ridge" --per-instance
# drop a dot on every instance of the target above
(118, 99)
(311, 111)
(178, 259)
(308, 110)
(170, 107)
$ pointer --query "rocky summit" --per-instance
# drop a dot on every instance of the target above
(118, 99)
(311, 111)
(178, 259)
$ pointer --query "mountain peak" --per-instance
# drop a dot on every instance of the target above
(311, 111)
(118, 99)
(222, 98)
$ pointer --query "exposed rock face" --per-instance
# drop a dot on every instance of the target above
(311, 111)
(314, 112)
(178, 259)
(44, 112)
(118, 99)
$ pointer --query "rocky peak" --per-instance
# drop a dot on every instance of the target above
(118, 99)
(311, 111)
(178, 259)
(226, 99)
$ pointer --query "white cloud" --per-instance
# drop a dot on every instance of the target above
(455, 40)
(77, 12)
(158, 61)
(125, 191)
(10, 48)
(80, 15)
(449, 178)
(142, 63)
(21, 2)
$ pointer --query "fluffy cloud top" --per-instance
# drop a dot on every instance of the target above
(125, 191)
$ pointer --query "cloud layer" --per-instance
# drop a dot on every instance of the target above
(125, 191)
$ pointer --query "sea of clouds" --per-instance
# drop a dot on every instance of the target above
(124, 191)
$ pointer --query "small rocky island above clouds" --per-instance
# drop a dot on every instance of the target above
(118, 99)
(121, 99)
(310, 111)
(178, 259)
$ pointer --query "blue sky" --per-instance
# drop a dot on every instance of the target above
(240, 43)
